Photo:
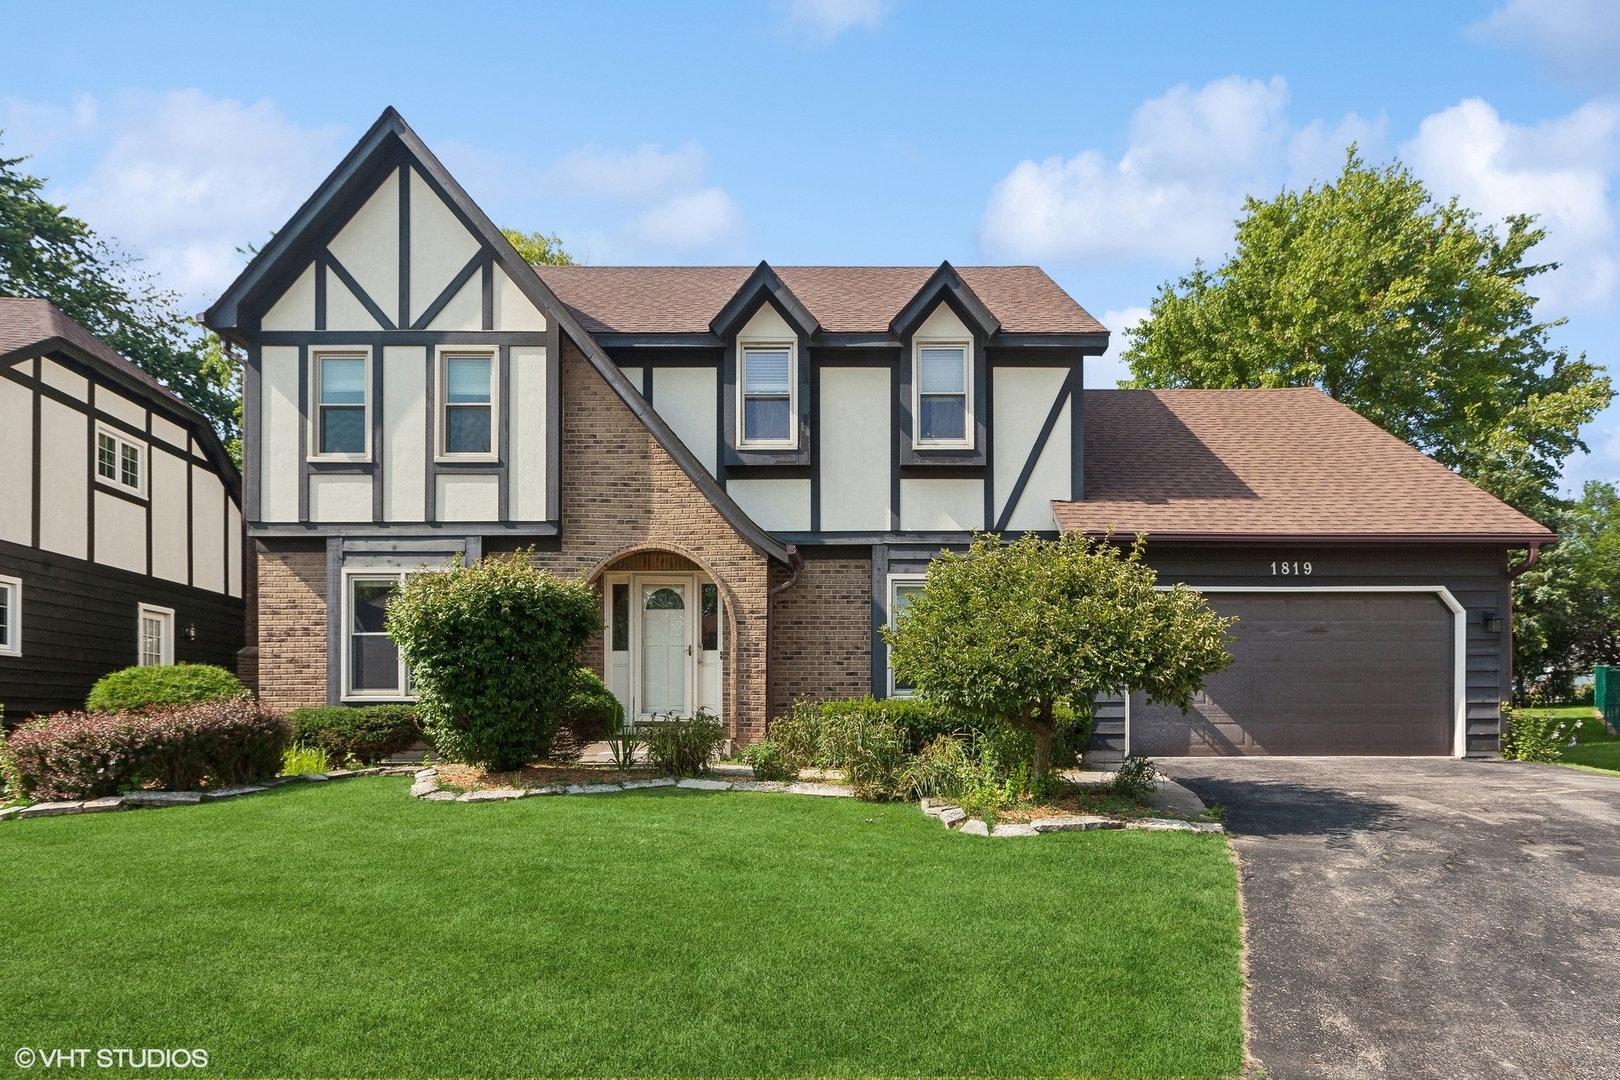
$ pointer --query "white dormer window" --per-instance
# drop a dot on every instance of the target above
(120, 461)
(941, 401)
(767, 387)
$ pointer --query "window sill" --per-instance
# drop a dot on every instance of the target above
(123, 490)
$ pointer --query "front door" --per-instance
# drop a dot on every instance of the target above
(665, 647)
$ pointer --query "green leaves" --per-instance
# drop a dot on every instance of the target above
(1567, 607)
(538, 249)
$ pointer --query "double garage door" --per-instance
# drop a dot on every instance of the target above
(1318, 673)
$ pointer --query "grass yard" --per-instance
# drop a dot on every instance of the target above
(1595, 746)
(348, 930)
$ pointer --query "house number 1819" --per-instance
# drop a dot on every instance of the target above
(1290, 569)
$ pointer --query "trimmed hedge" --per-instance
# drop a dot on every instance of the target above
(366, 734)
(91, 755)
(136, 688)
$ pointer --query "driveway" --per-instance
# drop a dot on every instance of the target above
(1425, 917)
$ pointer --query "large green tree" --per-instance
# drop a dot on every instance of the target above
(1008, 632)
(538, 249)
(47, 254)
(1409, 310)
(1569, 602)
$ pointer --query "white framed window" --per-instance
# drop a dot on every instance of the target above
(942, 394)
(469, 401)
(768, 396)
(340, 406)
(156, 635)
(10, 616)
(902, 588)
(120, 461)
(372, 667)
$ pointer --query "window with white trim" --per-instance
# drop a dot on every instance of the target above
(767, 387)
(120, 461)
(902, 589)
(944, 407)
(156, 635)
(372, 665)
(467, 396)
(342, 428)
(10, 616)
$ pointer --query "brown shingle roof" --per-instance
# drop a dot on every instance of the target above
(1269, 464)
(26, 322)
(844, 299)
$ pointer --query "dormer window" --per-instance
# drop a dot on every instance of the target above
(767, 384)
(943, 407)
(118, 461)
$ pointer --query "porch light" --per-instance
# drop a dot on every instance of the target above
(1493, 622)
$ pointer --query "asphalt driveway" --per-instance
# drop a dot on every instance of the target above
(1425, 917)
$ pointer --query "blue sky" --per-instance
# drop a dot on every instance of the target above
(1112, 144)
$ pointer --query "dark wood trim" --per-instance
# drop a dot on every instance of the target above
(334, 620)
(191, 528)
(38, 386)
(150, 493)
(119, 493)
(1065, 392)
(320, 293)
(486, 310)
(316, 530)
(404, 246)
(899, 437)
(430, 493)
(1077, 435)
(985, 416)
(770, 472)
(503, 432)
(880, 617)
(342, 338)
(90, 480)
(378, 457)
(303, 433)
(554, 404)
(372, 307)
(449, 292)
(813, 419)
(252, 435)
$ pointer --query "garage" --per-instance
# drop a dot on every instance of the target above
(1319, 672)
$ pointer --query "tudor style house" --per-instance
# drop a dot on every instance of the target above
(754, 466)
(120, 520)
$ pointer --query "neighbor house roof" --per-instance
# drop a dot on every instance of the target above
(843, 299)
(1259, 465)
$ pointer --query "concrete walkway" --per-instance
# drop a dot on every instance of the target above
(1422, 918)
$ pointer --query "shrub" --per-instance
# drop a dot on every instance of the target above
(590, 710)
(90, 755)
(941, 770)
(682, 746)
(860, 737)
(298, 759)
(1136, 780)
(492, 650)
(1535, 738)
(624, 744)
(137, 688)
(364, 735)
(765, 758)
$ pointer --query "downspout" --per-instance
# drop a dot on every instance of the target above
(1513, 574)
(1529, 561)
(796, 563)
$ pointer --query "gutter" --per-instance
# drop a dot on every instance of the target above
(1529, 561)
(796, 561)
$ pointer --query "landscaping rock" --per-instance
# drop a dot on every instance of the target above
(316, 777)
(397, 770)
(1075, 823)
(426, 774)
(495, 794)
(1167, 825)
(727, 769)
(933, 809)
(758, 785)
(635, 785)
(547, 789)
(1013, 828)
(425, 787)
(439, 796)
(950, 816)
(975, 827)
(162, 798)
(337, 774)
(592, 789)
(232, 792)
(51, 809)
(703, 785)
(10, 812)
(828, 791)
(101, 806)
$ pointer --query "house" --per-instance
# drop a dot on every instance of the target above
(120, 518)
(754, 466)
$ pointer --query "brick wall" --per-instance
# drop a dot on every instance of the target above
(823, 633)
(292, 627)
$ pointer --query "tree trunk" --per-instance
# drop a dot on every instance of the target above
(1044, 728)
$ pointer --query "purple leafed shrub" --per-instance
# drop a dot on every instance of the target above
(89, 755)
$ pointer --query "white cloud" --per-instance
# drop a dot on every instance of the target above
(1560, 170)
(1575, 41)
(185, 179)
(40, 127)
(1172, 195)
(825, 20)
(641, 176)
(1316, 152)
(1105, 372)
(693, 222)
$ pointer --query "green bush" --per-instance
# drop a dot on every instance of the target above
(590, 710)
(1535, 738)
(1136, 780)
(492, 649)
(363, 735)
(682, 746)
(765, 758)
(137, 688)
(299, 760)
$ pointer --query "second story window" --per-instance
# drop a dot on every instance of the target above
(767, 381)
(467, 391)
(119, 461)
(942, 395)
(340, 406)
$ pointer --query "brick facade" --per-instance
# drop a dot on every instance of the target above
(822, 644)
(292, 628)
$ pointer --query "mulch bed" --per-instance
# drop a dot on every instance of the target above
(472, 778)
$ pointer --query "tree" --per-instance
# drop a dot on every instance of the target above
(1008, 631)
(1569, 602)
(537, 248)
(1407, 310)
(47, 254)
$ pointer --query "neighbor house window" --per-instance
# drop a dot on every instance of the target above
(467, 405)
(120, 461)
(943, 410)
(342, 427)
(767, 384)
(903, 588)
(374, 665)
(156, 635)
(10, 616)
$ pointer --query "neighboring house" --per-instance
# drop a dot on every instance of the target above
(120, 520)
(754, 466)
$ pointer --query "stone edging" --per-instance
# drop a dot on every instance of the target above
(427, 787)
(954, 817)
(140, 800)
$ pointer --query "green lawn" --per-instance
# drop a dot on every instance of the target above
(1595, 747)
(348, 930)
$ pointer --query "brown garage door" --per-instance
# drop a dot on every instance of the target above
(1318, 673)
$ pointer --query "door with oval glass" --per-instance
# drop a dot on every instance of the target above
(665, 652)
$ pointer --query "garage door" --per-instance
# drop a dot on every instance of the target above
(1318, 673)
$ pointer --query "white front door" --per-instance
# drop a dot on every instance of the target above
(665, 647)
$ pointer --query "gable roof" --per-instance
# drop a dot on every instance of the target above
(1261, 465)
(843, 299)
